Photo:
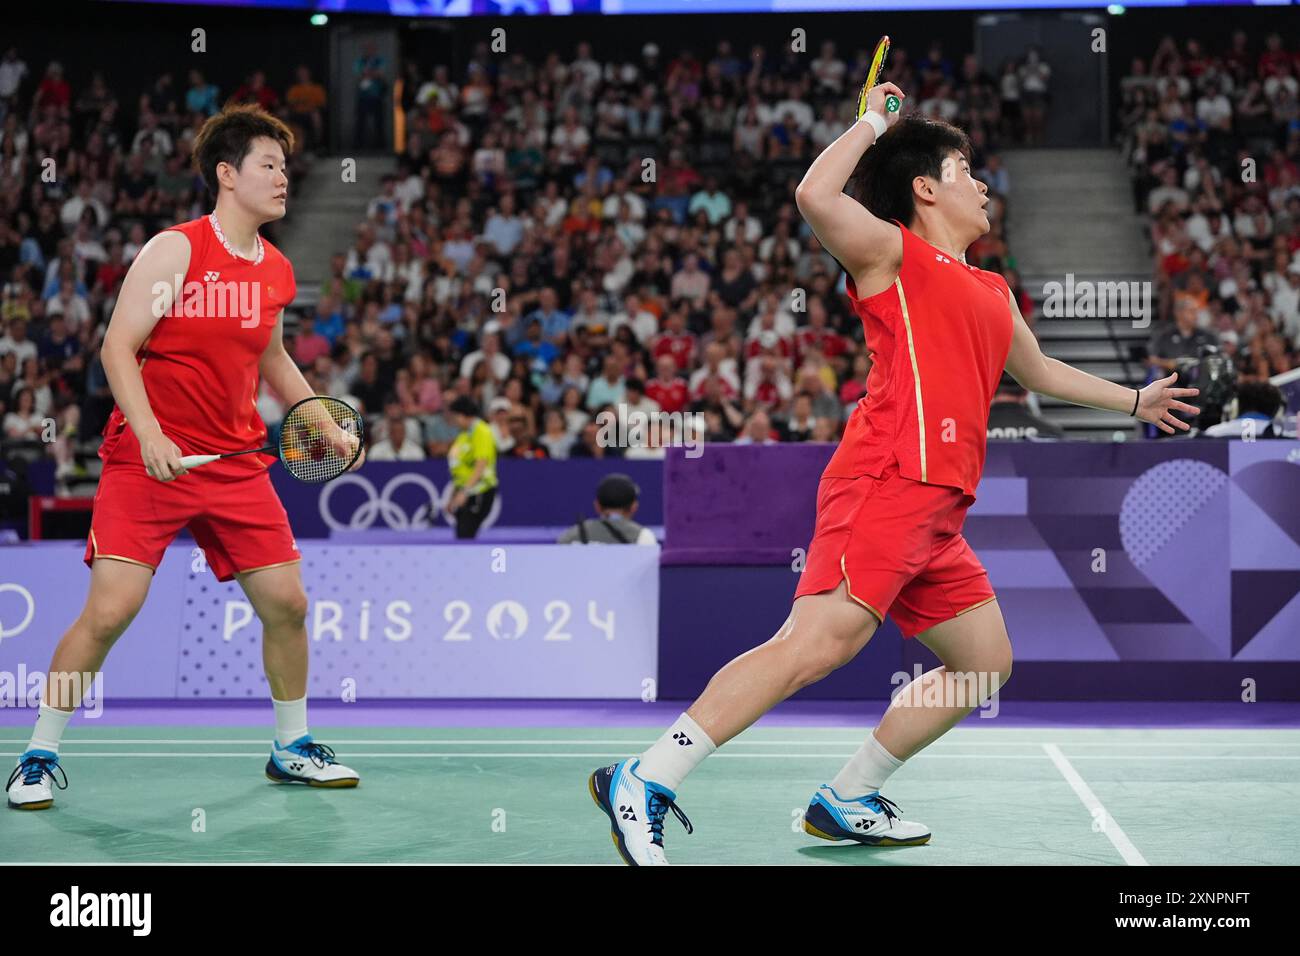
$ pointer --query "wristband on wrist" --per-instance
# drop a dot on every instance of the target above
(875, 121)
(1136, 395)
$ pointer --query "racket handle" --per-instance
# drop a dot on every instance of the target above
(193, 461)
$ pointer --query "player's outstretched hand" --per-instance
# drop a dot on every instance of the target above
(161, 457)
(1157, 401)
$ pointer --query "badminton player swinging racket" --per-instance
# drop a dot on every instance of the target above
(895, 203)
(184, 371)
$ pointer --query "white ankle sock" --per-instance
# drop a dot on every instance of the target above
(50, 724)
(866, 771)
(675, 754)
(290, 720)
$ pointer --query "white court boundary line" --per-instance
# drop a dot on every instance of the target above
(1109, 826)
(618, 754)
(948, 741)
(586, 755)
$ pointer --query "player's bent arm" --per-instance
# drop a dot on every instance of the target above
(281, 372)
(146, 295)
(1040, 373)
(863, 244)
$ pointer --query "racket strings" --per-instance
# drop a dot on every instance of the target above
(320, 439)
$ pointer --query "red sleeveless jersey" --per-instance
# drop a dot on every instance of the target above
(939, 338)
(200, 363)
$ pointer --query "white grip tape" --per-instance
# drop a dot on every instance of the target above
(193, 461)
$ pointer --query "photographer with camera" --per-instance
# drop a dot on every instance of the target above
(1183, 349)
(1257, 407)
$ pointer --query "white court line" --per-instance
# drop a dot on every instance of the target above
(599, 754)
(596, 754)
(1112, 829)
(643, 742)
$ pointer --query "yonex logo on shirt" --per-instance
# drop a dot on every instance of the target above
(939, 258)
(211, 276)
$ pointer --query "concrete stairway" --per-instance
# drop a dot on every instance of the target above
(323, 218)
(1071, 214)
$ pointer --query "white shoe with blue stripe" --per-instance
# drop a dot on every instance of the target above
(305, 761)
(29, 784)
(636, 809)
(871, 820)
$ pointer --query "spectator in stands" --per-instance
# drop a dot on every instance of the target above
(1035, 75)
(609, 389)
(309, 344)
(23, 423)
(556, 437)
(801, 422)
(17, 342)
(13, 70)
(617, 500)
(758, 430)
(591, 445)
(523, 442)
(306, 101)
(396, 445)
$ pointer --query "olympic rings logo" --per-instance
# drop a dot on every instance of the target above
(380, 504)
(27, 619)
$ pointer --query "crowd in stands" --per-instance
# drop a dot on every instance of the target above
(569, 237)
(1212, 132)
(559, 237)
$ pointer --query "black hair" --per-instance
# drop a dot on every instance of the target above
(228, 137)
(1262, 397)
(464, 405)
(914, 146)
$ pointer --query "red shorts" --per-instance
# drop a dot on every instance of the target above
(240, 525)
(897, 543)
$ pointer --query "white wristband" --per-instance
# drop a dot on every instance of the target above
(875, 121)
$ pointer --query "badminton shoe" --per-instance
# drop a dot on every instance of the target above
(871, 820)
(29, 784)
(636, 809)
(305, 761)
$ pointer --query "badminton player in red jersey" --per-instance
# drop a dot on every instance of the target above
(891, 502)
(199, 320)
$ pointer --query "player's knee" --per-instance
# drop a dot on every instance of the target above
(289, 610)
(105, 620)
(819, 657)
(996, 664)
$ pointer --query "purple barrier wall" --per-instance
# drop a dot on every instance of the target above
(1161, 553)
(396, 495)
(523, 621)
